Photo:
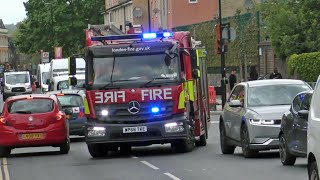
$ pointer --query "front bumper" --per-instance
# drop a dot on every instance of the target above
(156, 133)
(264, 137)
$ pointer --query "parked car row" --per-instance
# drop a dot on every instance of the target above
(274, 114)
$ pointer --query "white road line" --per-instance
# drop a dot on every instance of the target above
(172, 176)
(214, 122)
(150, 165)
(5, 169)
(1, 172)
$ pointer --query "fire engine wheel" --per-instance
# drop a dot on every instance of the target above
(97, 150)
(225, 147)
(4, 151)
(186, 145)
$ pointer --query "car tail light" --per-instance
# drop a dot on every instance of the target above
(3, 120)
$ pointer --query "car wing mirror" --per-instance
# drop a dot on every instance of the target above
(235, 103)
(68, 111)
(303, 113)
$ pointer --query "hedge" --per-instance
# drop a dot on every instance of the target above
(306, 66)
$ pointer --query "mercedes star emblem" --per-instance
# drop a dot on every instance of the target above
(30, 118)
(134, 107)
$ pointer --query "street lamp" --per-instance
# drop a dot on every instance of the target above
(52, 33)
(149, 16)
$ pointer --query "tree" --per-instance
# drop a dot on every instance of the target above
(57, 23)
(293, 25)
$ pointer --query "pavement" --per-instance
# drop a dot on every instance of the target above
(156, 162)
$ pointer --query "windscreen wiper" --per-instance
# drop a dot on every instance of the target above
(23, 112)
(112, 86)
(149, 82)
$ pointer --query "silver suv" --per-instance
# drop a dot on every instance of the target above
(251, 117)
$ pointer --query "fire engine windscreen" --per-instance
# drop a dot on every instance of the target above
(141, 68)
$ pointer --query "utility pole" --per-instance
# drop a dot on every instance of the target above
(149, 16)
(52, 33)
(223, 63)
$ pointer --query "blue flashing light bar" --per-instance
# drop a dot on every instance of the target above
(155, 109)
(132, 36)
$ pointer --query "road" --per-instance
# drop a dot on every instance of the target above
(153, 162)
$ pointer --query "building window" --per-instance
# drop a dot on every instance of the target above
(193, 1)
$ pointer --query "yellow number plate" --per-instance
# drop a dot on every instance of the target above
(32, 136)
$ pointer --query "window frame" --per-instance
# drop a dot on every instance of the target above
(193, 1)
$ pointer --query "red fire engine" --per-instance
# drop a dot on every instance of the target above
(144, 89)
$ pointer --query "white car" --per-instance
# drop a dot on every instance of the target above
(313, 136)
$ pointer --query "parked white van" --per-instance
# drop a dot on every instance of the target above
(42, 77)
(16, 83)
(59, 67)
(62, 82)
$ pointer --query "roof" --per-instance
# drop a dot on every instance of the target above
(272, 82)
(2, 25)
(28, 95)
(75, 91)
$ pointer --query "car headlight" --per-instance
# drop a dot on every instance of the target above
(8, 88)
(262, 122)
(29, 86)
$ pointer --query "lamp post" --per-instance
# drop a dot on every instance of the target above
(223, 63)
(52, 30)
(149, 16)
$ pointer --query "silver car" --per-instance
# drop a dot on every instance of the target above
(252, 115)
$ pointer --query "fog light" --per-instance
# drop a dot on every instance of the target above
(174, 127)
(96, 131)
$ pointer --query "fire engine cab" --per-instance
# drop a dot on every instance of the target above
(144, 89)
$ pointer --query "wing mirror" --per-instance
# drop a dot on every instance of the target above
(235, 103)
(68, 112)
(303, 113)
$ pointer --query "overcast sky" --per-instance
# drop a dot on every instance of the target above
(12, 11)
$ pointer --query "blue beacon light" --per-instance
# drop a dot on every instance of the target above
(149, 35)
(155, 109)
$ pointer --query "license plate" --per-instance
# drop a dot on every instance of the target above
(32, 136)
(135, 129)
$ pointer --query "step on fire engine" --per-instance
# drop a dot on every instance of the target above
(144, 89)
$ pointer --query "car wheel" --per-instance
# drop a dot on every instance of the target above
(247, 152)
(285, 156)
(186, 145)
(65, 147)
(313, 171)
(225, 148)
(97, 150)
(4, 151)
(125, 149)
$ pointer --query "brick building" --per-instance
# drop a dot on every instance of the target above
(4, 43)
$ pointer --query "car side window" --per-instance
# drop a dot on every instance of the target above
(297, 102)
(307, 101)
(234, 94)
(241, 95)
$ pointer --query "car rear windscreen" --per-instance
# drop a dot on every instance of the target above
(70, 100)
(31, 106)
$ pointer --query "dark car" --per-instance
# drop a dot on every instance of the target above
(293, 130)
(73, 100)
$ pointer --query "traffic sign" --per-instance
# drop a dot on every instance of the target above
(45, 57)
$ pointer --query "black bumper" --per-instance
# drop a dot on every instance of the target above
(155, 134)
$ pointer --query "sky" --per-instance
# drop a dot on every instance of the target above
(12, 11)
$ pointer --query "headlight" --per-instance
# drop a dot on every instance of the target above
(8, 88)
(104, 112)
(261, 122)
(29, 86)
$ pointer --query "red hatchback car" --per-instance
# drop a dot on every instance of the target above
(33, 121)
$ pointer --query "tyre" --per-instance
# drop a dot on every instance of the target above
(313, 171)
(125, 149)
(245, 142)
(65, 147)
(4, 151)
(97, 150)
(285, 156)
(225, 147)
(186, 145)
(202, 141)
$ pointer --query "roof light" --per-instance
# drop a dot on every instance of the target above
(60, 94)
(167, 34)
(149, 35)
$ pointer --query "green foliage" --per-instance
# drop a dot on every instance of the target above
(57, 23)
(293, 25)
(306, 66)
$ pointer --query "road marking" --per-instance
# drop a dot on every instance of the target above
(5, 169)
(214, 122)
(150, 165)
(172, 176)
(134, 157)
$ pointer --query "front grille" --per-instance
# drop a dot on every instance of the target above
(136, 135)
(18, 89)
(277, 121)
(119, 114)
